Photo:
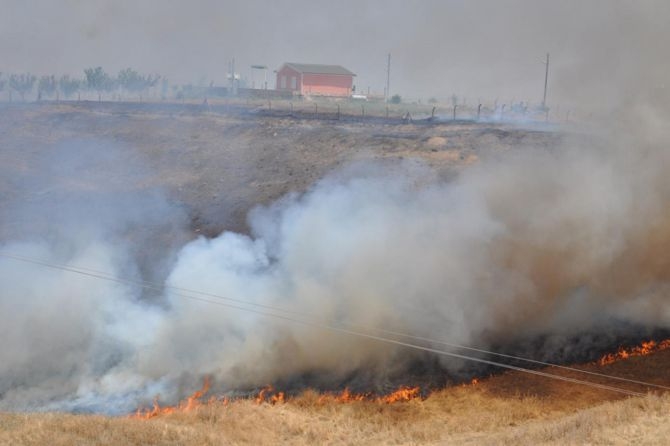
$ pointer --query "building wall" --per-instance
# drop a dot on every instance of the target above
(288, 79)
(326, 84)
(291, 80)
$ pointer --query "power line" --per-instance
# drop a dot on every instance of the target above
(158, 287)
(519, 358)
(182, 292)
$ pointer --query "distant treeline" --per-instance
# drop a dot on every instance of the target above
(127, 83)
(95, 79)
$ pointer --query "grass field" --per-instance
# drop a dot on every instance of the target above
(456, 416)
(511, 408)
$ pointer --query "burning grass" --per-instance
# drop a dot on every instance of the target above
(645, 348)
(187, 405)
(270, 395)
(456, 416)
(510, 408)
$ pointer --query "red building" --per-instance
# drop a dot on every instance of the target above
(317, 80)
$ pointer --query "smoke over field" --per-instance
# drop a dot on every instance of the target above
(147, 246)
(552, 251)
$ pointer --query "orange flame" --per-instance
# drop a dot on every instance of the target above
(186, 405)
(643, 349)
(346, 396)
(402, 394)
(270, 395)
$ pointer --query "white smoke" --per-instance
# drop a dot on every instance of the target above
(545, 242)
(531, 244)
(67, 336)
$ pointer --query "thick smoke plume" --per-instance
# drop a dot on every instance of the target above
(538, 243)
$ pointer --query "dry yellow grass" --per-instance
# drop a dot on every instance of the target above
(464, 415)
(511, 408)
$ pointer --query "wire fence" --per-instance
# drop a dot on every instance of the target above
(324, 108)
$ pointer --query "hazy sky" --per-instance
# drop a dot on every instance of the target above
(478, 49)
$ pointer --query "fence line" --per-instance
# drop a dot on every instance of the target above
(334, 109)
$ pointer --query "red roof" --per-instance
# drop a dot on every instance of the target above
(319, 69)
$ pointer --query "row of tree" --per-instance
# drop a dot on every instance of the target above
(95, 80)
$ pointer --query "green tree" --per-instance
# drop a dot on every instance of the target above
(151, 80)
(69, 86)
(97, 80)
(2, 83)
(46, 86)
(130, 80)
(22, 83)
(396, 99)
(133, 82)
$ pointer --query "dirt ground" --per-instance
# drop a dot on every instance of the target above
(220, 165)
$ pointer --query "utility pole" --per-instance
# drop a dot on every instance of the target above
(230, 78)
(546, 77)
(388, 78)
(232, 69)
